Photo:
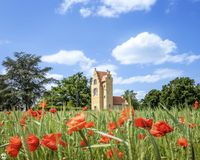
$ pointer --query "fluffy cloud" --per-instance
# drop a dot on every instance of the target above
(85, 12)
(67, 4)
(4, 42)
(107, 8)
(55, 76)
(149, 48)
(113, 8)
(159, 74)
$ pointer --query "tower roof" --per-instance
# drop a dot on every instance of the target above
(101, 75)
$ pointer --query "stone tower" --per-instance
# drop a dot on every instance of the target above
(102, 90)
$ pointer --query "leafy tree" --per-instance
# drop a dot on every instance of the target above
(180, 91)
(152, 99)
(197, 90)
(74, 90)
(130, 97)
(25, 80)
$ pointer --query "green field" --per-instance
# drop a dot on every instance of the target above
(124, 144)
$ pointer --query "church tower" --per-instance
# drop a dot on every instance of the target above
(102, 90)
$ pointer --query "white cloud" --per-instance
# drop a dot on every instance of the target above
(113, 8)
(4, 42)
(67, 4)
(85, 12)
(140, 94)
(55, 76)
(149, 48)
(107, 8)
(118, 92)
(70, 58)
(159, 74)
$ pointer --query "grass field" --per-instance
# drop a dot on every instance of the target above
(113, 135)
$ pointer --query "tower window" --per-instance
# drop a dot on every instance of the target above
(95, 92)
(95, 81)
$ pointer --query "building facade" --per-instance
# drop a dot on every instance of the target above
(102, 92)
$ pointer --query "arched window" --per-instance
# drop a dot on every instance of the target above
(95, 92)
(95, 81)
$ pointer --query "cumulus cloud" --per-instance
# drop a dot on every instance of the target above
(55, 76)
(107, 8)
(67, 4)
(4, 42)
(85, 12)
(113, 8)
(149, 48)
(70, 58)
(157, 75)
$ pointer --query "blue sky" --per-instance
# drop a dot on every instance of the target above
(145, 43)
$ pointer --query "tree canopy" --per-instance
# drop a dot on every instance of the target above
(24, 81)
(73, 91)
(130, 97)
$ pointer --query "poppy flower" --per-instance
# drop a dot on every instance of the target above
(53, 110)
(85, 108)
(182, 142)
(143, 123)
(109, 153)
(76, 123)
(32, 142)
(106, 139)
(90, 133)
(22, 121)
(112, 126)
(141, 136)
(121, 121)
(89, 125)
(43, 104)
(14, 146)
(119, 154)
(82, 143)
(196, 104)
(51, 141)
(181, 120)
(192, 125)
(160, 129)
(1, 123)
(7, 112)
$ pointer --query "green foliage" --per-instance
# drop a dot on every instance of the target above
(130, 97)
(152, 99)
(24, 81)
(179, 92)
(73, 91)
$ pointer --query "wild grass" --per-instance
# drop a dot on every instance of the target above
(132, 147)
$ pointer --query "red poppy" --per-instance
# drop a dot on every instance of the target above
(141, 136)
(119, 154)
(43, 104)
(160, 129)
(106, 139)
(1, 123)
(121, 121)
(109, 153)
(32, 142)
(89, 125)
(192, 125)
(82, 143)
(7, 112)
(85, 108)
(112, 126)
(76, 123)
(53, 110)
(196, 104)
(22, 121)
(52, 140)
(143, 123)
(182, 142)
(14, 146)
(90, 133)
(181, 120)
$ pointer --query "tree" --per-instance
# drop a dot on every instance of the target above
(74, 89)
(130, 97)
(180, 91)
(152, 99)
(25, 80)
